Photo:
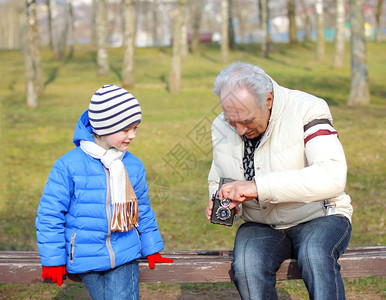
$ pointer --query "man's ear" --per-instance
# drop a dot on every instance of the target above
(269, 101)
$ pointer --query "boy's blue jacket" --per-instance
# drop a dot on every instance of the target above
(73, 224)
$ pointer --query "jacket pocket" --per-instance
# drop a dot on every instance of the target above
(72, 247)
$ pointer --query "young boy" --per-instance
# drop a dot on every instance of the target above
(94, 218)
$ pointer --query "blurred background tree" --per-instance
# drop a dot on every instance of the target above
(103, 24)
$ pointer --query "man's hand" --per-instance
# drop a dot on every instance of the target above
(238, 192)
(55, 274)
(209, 208)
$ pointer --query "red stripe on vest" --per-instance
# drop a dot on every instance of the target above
(318, 133)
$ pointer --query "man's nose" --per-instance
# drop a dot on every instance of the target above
(241, 129)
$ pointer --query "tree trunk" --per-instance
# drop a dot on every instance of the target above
(72, 36)
(184, 36)
(175, 73)
(31, 56)
(241, 13)
(50, 34)
(33, 43)
(264, 27)
(63, 35)
(155, 23)
(94, 22)
(359, 92)
(31, 94)
(378, 20)
(337, 62)
(292, 29)
(224, 31)
(231, 32)
(320, 47)
(145, 19)
(10, 32)
(307, 23)
(53, 21)
(197, 16)
(128, 16)
(102, 38)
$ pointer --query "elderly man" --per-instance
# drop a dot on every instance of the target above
(289, 168)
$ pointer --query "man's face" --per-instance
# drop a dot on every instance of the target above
(242, 112)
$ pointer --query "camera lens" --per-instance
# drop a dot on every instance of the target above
(225, 202)
(223, 213)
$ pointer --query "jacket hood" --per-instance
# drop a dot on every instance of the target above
(83, 130)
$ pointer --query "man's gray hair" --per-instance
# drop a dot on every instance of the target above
(244, 75)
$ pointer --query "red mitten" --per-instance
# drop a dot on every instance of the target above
(55, 274)
(157, 258)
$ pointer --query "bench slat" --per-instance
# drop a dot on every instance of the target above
(196, 266)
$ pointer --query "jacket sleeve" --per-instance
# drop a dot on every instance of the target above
(213, 179)
(50, 220)
(324, 175)
(151, 240)
(215, 172)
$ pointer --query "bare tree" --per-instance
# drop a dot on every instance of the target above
(231, 32)
(378, 20)
(72, 35)
(197, 16)
(307, 22)
(144, 20)
(241, 13)
(58, 35)
(292, 28)
(224, 30)
(31, 94)
(62, 42)
(93, 26)
(128, 16)
(320, 47)
(263, 8)
(155, 31)
(359, 92)
(184, 37)
(53, 24)
(31, 53)
(10, 30)
(102, 38)
(175, 73)
(337, 62)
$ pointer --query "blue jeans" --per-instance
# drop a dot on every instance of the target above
(115, 284)
(259, 251)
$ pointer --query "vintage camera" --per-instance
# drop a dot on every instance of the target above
(221, 214)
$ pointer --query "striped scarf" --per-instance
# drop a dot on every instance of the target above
(250, 145)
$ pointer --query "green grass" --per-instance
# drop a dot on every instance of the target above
(32, 140)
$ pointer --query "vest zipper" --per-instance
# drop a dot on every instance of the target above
(139, 237)
(108, 212)
(72, 247)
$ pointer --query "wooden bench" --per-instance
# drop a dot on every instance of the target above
(196, 266)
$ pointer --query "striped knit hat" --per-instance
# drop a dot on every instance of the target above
(113, 109)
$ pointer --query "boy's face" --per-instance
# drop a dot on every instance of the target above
(119, 140)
